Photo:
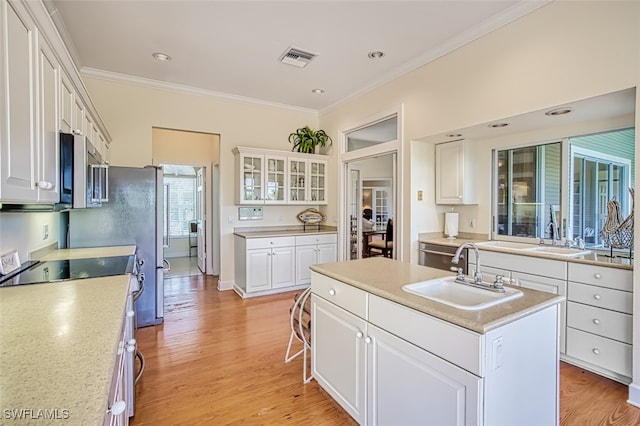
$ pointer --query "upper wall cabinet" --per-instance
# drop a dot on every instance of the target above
(30, 83)
(279, 177)
(455, 177)
(38, 100)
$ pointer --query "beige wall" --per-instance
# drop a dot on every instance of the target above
(131, 113)
(187, 148)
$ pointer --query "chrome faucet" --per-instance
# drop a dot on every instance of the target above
(477, 276)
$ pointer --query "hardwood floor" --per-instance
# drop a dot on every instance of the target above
(219, 360)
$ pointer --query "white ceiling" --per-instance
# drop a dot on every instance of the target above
(232, 47)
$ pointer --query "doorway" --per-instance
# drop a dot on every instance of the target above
(371, 205)
(372, 191)
(184, 230)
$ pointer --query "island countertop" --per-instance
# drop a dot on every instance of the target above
(58, 347)
(385, 277)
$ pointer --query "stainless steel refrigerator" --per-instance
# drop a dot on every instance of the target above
(134, 214)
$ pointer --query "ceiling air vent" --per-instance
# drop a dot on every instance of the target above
(296, 57)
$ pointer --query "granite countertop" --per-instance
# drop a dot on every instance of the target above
(385, 277)
(284, 232)
(89, 252)
(593, 258)
(58, 347)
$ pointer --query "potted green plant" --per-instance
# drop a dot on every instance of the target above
(306, 139)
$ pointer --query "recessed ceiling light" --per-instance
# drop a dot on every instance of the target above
(498, 125)
(454, 135)
(375, 54)
(559, 111)
(161, 56)
(317, 90)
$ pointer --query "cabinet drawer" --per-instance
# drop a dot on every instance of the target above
(616, 300)
(528, 264)
(431, 334)
(602, 276)
(258, 243)
(316, 239)
(602, 322)
(347, 297)
(600, 351)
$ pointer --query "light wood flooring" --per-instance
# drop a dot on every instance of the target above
(219, 360)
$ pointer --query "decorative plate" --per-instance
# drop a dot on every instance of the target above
(311, 216)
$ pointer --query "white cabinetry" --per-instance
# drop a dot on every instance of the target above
(264, 265)
(48, 122)
(311, 250)
(18, 149)
(37, 101)
(385, 363)
(307, 181)
(599, 320)
(279, 177)
(455, 177)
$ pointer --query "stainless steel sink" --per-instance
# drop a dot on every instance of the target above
(507, 244)
(560, 251)
(461, 296)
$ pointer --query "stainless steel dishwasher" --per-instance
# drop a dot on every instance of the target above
(439, 256)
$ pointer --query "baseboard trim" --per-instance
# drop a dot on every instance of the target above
(634, 395)
(225, 285)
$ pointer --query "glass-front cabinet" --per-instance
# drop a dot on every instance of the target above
(279, 177)
(307, 181)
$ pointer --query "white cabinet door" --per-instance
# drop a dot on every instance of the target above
(251, 174)
(327, 253)
(408, 385)
(275, 179)
(282, 267)
(338, 355)
(78, 114)
(454, 174)
(18, 151)
(317, 176)
(258, 269)
(305, 257)
(48, 103)
(67, 104)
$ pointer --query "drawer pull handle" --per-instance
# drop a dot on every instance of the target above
(596, 296)
(332, 292)
(359, 334)
(596, 321)
(596, 351)
(367, 339)
(597, 276)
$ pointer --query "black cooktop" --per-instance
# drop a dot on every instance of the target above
(74, 269)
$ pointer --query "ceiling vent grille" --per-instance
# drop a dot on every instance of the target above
(296, 57)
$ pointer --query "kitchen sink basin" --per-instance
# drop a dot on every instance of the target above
(507, 244)
(560, 251)
(462, 296)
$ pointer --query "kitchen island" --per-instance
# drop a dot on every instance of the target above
(391, 357)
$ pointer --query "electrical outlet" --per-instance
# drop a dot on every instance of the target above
(230, 219)
(472, 222)
(420, 195)
(45, 231)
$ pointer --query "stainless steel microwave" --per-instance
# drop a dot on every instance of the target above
(84, 176)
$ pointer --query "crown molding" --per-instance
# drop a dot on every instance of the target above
(190, 90)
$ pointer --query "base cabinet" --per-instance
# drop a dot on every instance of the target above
(311, 250)
(117, 413)
(387, 364)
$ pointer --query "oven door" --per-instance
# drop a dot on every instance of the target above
(439, 256)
